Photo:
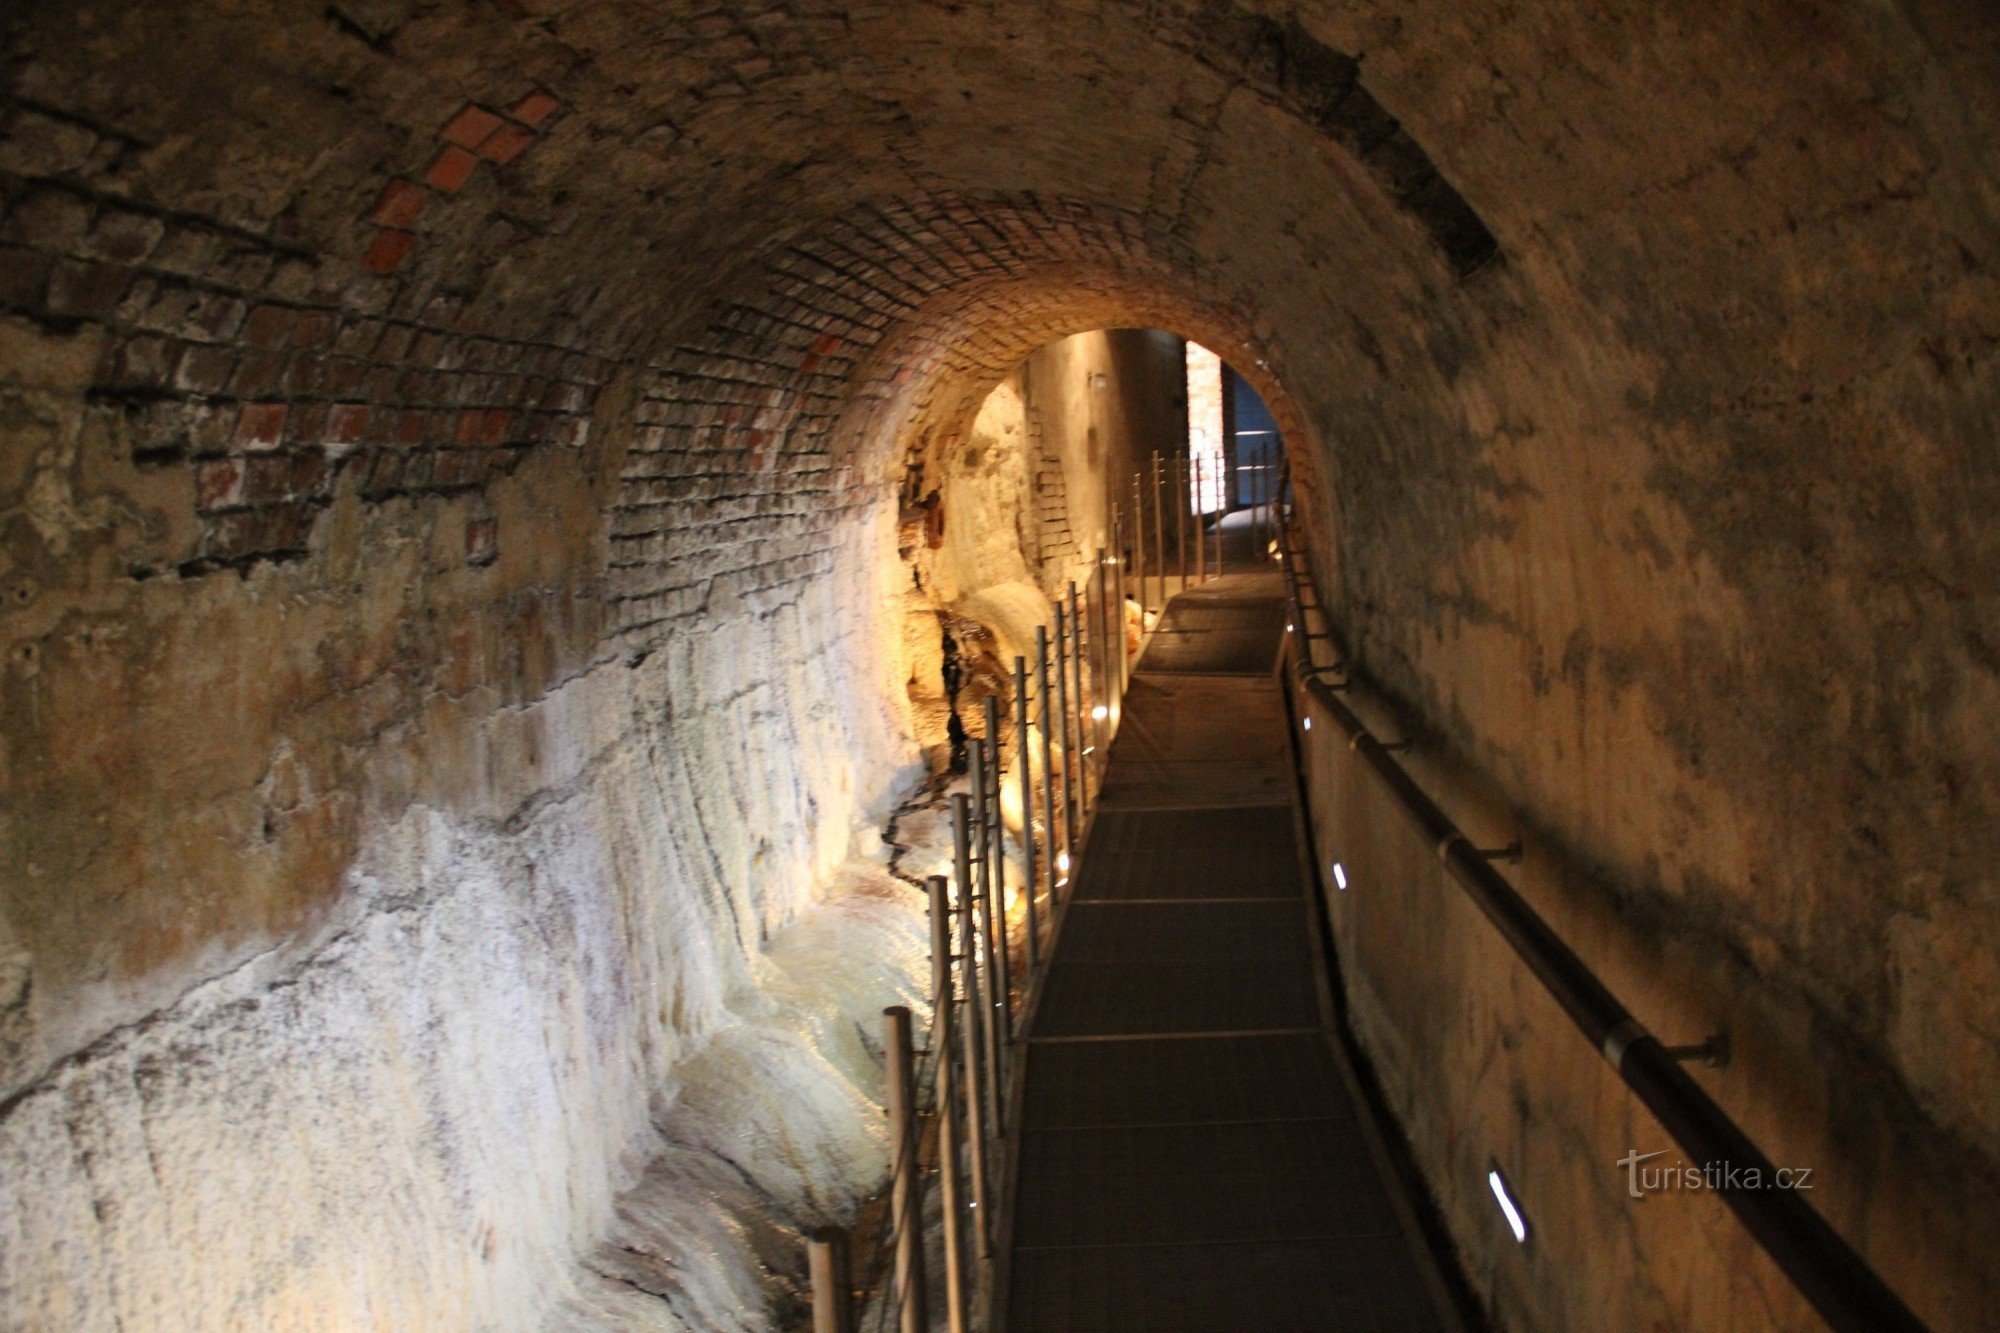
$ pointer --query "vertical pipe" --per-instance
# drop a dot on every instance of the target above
(832, 1281)
(992, 982)
(979, 1034)
(1049, 761)
(1124, 649)
(949, 1185)
(1067, 861)
(995, 833)
(906, 1197)
(1030, 882)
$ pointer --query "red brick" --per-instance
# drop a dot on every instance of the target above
(506, 144)
(218, 484)
(410, 428)
(260, 425)
(535, 108)
(386, 252)
(470, 127)
(493, 427)
(450, 170)
(346, 422)
(398, 204)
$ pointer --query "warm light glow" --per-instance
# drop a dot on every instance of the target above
(1288, 627)
(1206, 460)
(1340, 876)
(1515, 1222)
(1100, 712)
(1062, 862)
(1309, 724)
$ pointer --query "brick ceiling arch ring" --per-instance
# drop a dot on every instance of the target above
(859, 349)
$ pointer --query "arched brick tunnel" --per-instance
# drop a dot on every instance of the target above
(458, 468)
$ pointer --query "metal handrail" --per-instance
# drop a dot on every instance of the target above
(1828, 1272)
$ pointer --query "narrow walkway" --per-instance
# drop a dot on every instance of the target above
(1194, 1154)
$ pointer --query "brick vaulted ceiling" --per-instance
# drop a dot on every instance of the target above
(413, 242)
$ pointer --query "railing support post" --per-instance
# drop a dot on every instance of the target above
(994, 831)
(1067, 860)
(1048, 716)
(906, 1194)
(976, 1038)
(1030, 877)
(832, 1280)
(1080, 766)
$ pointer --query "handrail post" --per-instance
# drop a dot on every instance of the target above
(906, 1194)
(1181, 525)
(1200, 533)
(1139, 535)
(1068, 858)
(1030, 880)
(994, 831)
(1081, 765)
(1159, 534)
(978, 1038)
(1048, 716)
(832, 1280)
(949, 1187)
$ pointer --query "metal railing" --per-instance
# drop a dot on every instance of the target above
(1828, 1272)
(1066, 708)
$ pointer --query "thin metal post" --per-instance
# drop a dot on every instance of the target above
(906, 1196)
(1139, 534)
(949, 1186)
(995, 852)
(1159, 533)
(981, 1086)
(992, 981)
(1100, 665)
(1030, 882)
(1200, 518)
(1048, 719)
(1181, 529)
(832, 1280)
(1067, 861)
(1081, 707)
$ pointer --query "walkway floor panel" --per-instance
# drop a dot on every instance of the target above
(1185, 1081)
(1363, 1284)
(1192, 1155)
(1230, 852)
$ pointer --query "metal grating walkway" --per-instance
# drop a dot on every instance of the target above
(1194, 1156)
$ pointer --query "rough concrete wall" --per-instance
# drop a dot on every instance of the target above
(1108, 402)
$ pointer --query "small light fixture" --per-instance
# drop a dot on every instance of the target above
(1309, 724)
(1288, 627)
(1515, 1222)
(1340, 876)
(1062, 862)
(1100, 712)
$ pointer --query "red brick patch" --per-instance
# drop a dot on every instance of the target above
(450, 170)
(535, 108)
(346, 422)
(506, 144)
(260, 425)
(470, 127)
(398, 204)
(218, 484)
(388, 250)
